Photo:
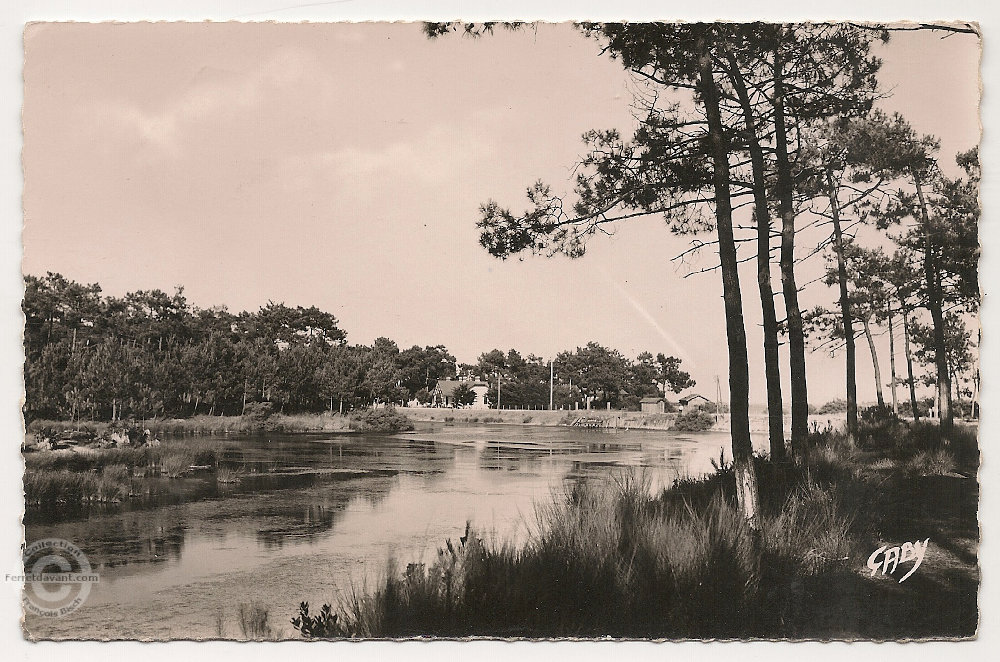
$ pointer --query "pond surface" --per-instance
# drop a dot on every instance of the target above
(321, 515)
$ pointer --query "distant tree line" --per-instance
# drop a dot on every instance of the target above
(151, 354)
(591, 374)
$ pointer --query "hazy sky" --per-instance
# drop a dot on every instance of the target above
(343, 165)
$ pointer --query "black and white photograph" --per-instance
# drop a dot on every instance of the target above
(510, 329)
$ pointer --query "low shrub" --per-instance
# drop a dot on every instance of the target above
(694, 420)
(835, 406)
(256, 413)
(386, 419)
(323, 625)
(879, 426)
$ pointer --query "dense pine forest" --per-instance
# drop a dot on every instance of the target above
(150, 354)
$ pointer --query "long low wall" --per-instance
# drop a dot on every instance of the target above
(629, 419)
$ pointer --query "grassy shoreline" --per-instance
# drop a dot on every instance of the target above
(204, 424)
(68, 465)
(613, 560)
(342, 423)
(373, 420)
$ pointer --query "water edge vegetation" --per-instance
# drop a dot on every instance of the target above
(611, 559)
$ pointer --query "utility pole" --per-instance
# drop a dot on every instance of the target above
(498, 391)
(718, 398)
(551, 384)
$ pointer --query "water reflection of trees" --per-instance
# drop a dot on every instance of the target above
(307, 522)
(126, 539)
(304, 521)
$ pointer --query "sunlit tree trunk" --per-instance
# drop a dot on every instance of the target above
(762, 217)
(793, 314)
(909, 366)
(892, 361)
(845, 308)
(878, 374)
(739, 371)
(932, 277)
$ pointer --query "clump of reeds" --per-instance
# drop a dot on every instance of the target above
(175, 465)
(604, 560)
(227, 475)
(937, 462)
(48, 488)
(812, 532)
(116, 472)
(254, 622)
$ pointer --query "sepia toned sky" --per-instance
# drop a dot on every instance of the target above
(342, 166)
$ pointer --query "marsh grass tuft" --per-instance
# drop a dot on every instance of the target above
(939, 462)
(50, 488)
(254, 622)
(175, 465)
(228, 475)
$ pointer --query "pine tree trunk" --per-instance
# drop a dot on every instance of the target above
(739, 371)
(958, 393)
(793, 314)
(878, 374)
(772, 365)
(845, 308)
(932, 277)
(909, 367)
(892, 361)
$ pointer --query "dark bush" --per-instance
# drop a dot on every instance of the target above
(694, 420)
(835, 406)
(386, 419)
(878, 425)
(258, 412)
(631, 403)
(322, 626)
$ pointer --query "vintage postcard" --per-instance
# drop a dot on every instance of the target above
(656, 331)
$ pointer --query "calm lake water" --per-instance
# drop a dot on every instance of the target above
(325, 514)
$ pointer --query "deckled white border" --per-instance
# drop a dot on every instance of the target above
(13, 15)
